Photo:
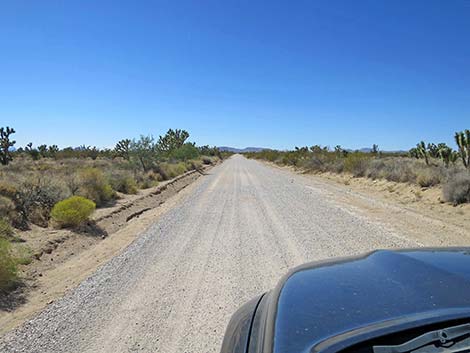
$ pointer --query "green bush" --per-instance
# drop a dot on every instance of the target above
(186, 152)
(95, 186)
(72, 212)
(8, 269)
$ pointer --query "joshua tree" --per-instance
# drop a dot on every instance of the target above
(433, 150)
(340, 151)
(34, 153)
(375, 149)
(42, 149)
(316, 149)
(414, 153)
(53, 150)
(122, 148)
(463, 142)
(6, 144)
(446, 154)
(172, 140)
(143, 150)
(302, 151)
(422, 152)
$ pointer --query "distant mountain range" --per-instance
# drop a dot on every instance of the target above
(369, 150)
(241, 150)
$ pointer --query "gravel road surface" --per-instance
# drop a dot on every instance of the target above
(174, 289)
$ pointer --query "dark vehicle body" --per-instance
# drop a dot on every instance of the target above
(353, 304)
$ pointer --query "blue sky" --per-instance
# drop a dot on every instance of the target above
(238, 73)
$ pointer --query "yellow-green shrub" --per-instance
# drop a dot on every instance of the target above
(72, 212)
(8, 269)
(95, 186)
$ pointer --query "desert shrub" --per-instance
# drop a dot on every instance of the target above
(23, 254)
(457, 189)
(161, 170)
(148, 180)
(193, 164)
(72, 212)
(174, 169)
(206, 160)
(356, 164)
(124, 184)
(376, 169)
(95, 186)
(391, 169)
(7, 208)
(6, 230)
(8, 190)
(399, 171)
(271, 155)
(315, 164)
(428, 177)
(290, 158)
(337, 166)
(8, 269)
(36, 197)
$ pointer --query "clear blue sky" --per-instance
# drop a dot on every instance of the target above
(238, 73)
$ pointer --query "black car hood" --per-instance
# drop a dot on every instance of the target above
(327, 306)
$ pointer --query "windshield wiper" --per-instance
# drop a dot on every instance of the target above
(447, 340)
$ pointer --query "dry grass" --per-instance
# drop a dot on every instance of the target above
(29, 189)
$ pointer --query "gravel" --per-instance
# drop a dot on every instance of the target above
(175, 287)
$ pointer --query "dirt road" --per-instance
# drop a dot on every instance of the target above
(235, 233)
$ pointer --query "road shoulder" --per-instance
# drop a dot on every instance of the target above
(407, 209)
(77, 256)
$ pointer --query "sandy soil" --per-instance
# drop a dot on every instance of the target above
(230, 237)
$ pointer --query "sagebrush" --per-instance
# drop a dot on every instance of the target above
(457, 189)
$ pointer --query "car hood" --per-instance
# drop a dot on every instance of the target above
(330, 305)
